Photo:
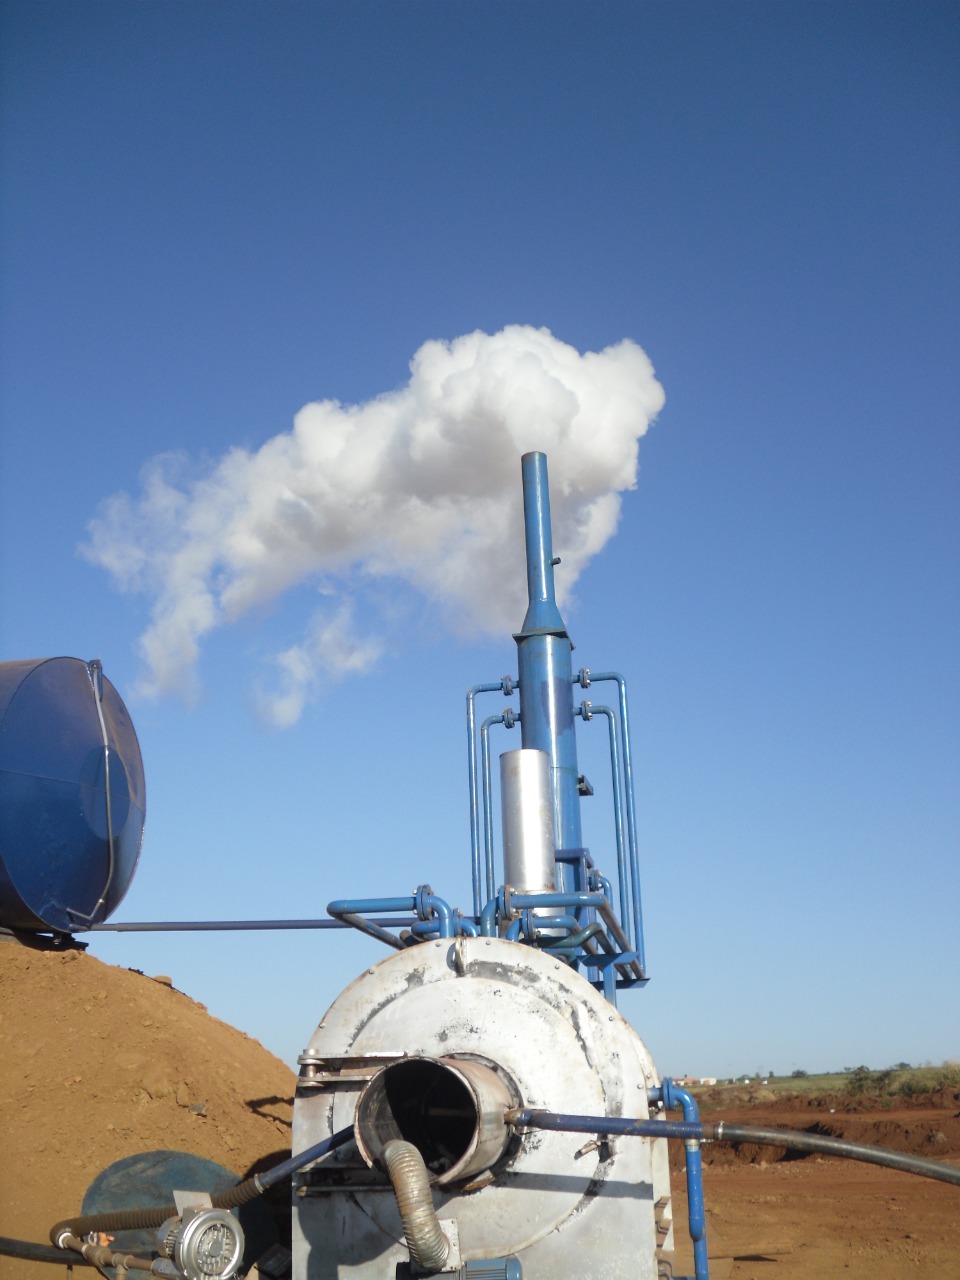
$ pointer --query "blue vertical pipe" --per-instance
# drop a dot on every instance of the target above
(545, 668)
(588, 710)
(672, 1095)
(475, 864)
(487, 784)
(631, 801)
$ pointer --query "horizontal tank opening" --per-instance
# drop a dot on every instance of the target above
(451, 1109)
(423, 1102)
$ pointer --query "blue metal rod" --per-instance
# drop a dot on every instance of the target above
(474, 799)
(215, 926)
(556, 899)
(631, 804)
(487, 799)
(295, 1163)
(608, 1126)
(353, 905)
(623, 874)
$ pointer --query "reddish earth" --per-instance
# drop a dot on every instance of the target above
(98, 1063)
(772, 1216)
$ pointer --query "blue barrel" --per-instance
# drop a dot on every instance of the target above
(148, 1180)
(72, 795)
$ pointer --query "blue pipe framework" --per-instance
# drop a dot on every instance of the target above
(546, 717)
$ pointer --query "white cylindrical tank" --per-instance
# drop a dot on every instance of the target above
(540, 1036)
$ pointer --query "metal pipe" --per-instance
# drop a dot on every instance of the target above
(675, 1096)
(31, 1252)
(424, 902)
(529, 926)
(217, 926)
(542, 612)
(576, 940)
(450, 1109)
(596, 900)
(102, 1256)
(789, 1139)
(543, 653)
(588, 710)
(372, 930)
(488, 920)
(291, 1165)
(509, 719)
(506, 687)
(631, 802)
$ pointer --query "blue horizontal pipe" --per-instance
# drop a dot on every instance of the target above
(422, 901)
(214, 926)
(607, 1126)
(280, 1171)
(556, 899)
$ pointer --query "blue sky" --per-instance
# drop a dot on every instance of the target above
(213, 215)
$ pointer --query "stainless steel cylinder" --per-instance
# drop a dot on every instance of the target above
(450, 1109)
(526, 798)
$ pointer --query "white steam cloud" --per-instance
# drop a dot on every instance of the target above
(420, 486)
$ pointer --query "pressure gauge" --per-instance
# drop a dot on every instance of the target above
(205, 1244)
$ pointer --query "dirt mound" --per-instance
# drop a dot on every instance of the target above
(98, 1063)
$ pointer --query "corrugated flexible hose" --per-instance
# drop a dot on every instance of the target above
(411, 1185)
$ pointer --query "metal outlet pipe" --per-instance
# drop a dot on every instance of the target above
(544, 664)
(450, 1109)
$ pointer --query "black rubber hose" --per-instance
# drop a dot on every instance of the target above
(32, 1252)
(791, 1139)
(232, 1198)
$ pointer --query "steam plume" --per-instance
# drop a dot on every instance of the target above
(419, 486)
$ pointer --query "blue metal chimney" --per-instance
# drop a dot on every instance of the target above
(545, 666)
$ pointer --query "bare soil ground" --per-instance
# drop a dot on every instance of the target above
(98, 1063)
(774, 1216)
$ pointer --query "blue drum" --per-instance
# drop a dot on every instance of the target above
(72, 795)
